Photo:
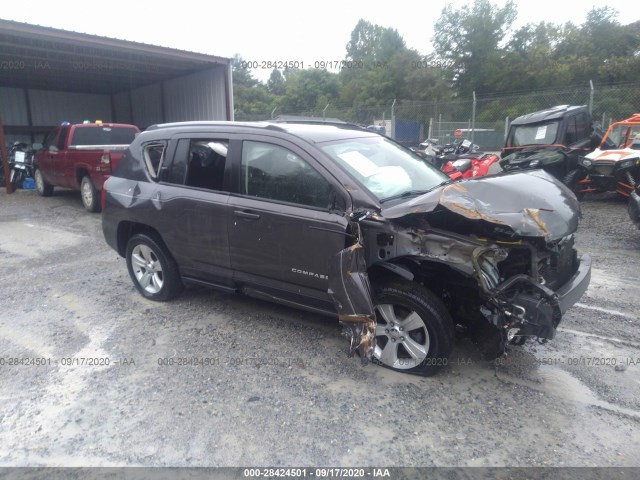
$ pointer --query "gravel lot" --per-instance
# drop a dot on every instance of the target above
(279, 389)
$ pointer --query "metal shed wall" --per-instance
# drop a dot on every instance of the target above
(51, 108)
(146, 105)
(200, 96)
(13, 102)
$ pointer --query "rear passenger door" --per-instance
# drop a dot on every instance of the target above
(192, 195)
(286, 218)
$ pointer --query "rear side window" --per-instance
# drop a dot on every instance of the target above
(273, 172)
(153, 154)
(200, 163)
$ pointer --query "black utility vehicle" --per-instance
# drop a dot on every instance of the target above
(552, 140)
(339, 220)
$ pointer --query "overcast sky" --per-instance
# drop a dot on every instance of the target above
(275, 30)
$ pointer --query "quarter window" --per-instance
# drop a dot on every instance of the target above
(276, 173)
(153, 158)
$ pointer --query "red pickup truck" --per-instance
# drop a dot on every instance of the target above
(81, 157)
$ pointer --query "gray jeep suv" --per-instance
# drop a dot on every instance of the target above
(345, 222)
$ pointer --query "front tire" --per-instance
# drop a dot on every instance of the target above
(152, 269)
(415, 332)
(90, 197)
(44, 189)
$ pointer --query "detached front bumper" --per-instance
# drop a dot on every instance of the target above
(571, 292)
(634, 208)
(535, 310)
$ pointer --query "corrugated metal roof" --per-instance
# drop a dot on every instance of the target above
(47, 58)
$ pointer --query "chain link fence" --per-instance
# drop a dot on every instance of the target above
(484, 120)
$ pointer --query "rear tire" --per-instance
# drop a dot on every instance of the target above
(415, 332)
(153, 270)
(89, 194)
(44, 189)
(572, 180)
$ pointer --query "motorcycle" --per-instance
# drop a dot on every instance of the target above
(20, 163)
(431, 151)
(459, 159)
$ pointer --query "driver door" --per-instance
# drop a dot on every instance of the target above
(283, 222)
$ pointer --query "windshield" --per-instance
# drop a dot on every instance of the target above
(384, 168)
(536, 134)
(622, 136)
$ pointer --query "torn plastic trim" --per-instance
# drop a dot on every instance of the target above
(350, 290)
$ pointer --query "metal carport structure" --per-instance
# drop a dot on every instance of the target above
(49, 75)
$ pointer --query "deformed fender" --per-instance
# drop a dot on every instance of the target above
(350, 291)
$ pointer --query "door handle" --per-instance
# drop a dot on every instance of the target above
(245, 214)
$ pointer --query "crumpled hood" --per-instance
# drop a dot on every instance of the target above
(532, 204)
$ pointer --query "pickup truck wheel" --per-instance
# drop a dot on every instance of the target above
(415, 332)
(90, 197)
(44, 189)
(152, 268)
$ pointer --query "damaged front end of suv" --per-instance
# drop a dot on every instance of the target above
(498, 252)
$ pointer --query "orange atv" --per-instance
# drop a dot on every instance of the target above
(614, 166)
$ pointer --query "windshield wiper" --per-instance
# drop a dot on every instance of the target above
(412, 193)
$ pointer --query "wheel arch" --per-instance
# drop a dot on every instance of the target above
(81, 172)
(127, 229)
(418, 269)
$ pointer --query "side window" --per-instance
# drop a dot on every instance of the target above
(583, 126)
(199, 163)
(49, 139)
(62, 138)
(572, 134)
(578, 128)
(273, 172)
(153, 154)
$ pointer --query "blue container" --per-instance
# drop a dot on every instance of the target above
(29, 184)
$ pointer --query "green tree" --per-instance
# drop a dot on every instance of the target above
(379, 68)
(250, 96)
(469, 41)
(276, 83)
(308, 90)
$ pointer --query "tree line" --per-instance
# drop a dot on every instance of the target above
(476, 49)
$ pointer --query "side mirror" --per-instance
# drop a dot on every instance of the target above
(53, 149)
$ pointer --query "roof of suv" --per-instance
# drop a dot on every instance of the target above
(310, 131)
(552, 113)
